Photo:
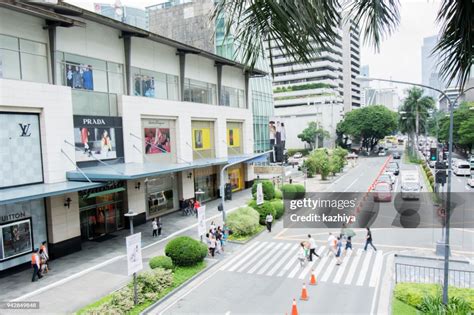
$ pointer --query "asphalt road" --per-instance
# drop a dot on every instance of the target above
(264, 276)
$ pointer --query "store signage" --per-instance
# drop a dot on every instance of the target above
(110, 187)
(93, 121)
(25, 130)
(134, 253)
(12, 216)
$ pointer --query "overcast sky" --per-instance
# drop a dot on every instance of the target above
(399, 57)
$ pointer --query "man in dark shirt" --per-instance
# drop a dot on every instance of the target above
(368, 240)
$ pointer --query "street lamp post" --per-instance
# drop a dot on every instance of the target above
(130, 215)
(199, 194)
(450, 154)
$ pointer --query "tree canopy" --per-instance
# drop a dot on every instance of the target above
(310, 133)
(414, 102)
(369, 124)
(463, 127)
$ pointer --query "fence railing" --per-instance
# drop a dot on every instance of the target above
(425, 274)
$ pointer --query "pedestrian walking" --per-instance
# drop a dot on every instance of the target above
(160, 225)
(44, 248)
(213, 227)
(348, 244)
(312, 248)
(269, 221)
(212, 245)
(332, 242)
(35, 264)
(43, 262)
(339, 251)
(154, 225)
(302, 255)
(197, 205)
(368, 240)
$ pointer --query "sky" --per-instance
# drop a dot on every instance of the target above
(399, 57)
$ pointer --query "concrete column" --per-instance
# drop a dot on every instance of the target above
(219, 84)
(182, 73)
(247, 87)
(186, 184)
(127, 46)
(52, 49)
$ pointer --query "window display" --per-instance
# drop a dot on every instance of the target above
(157, 140)
(16, 239)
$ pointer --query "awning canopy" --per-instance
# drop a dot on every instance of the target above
(128, 171)
(37, 191)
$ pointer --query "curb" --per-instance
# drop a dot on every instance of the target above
(431, 258)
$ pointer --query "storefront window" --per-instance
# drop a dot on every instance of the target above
(233, 97)
(161, 195)
(23, 59)
(16, 239)
(234, 138)
(155, 84)
(236, 177)
(199, 92)
(203, 139)
(205, 179)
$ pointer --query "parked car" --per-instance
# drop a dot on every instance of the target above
(470, 181)
(396, 155)
(382, 192)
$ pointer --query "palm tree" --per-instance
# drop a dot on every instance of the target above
(415, 113)
(295, 25)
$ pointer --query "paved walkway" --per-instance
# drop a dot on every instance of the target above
(100, 268)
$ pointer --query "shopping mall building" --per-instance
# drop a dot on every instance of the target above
(98, 118)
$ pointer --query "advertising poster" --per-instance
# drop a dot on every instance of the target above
(98, 138)
(79, 76)
(233, 137)
(134, 253)
(259, 194)
(157, 140)
(201, 221)
(15, 239)
(201, 139)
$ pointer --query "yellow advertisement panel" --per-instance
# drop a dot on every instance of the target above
(233, 137)
(236, 180)
(202, 139)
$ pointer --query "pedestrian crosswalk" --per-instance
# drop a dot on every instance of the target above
(279, 259)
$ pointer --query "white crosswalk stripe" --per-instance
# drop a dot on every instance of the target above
(279, 259)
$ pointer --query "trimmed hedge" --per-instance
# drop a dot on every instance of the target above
(289, 191)
(300, 191)
(244, 221)
(278, 194)
(164, 262)
(279, 207)
(413, 293)
(186, 251)
(267, 187)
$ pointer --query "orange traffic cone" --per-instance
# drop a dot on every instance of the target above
(304, 293)
(312, 280)
(294, 310)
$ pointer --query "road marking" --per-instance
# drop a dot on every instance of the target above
(295, 270)
(263, 259)
(248, 256)
(329, 270)
(255, 257)
(354, 263)
(350, 185)
(365, 267)
(320, 266)
(311, 264)
(107, 262)
(342, 267)
(282, 260)
(240, 255)
(287, 266)
(376, 269)
(274, 258)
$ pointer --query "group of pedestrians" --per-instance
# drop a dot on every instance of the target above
(336, 246)
(39, 262)
(216, 239)
(156, 225)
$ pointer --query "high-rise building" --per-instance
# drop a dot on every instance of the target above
(364, 85)
(321, 90)
(387, 97)
(189, 22)
(125, 14)
(429, 67)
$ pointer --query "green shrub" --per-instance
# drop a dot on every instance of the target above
(164, 262)
(185, 251)
(289, 191)
(278, 194)
(264, 209)
(244, 221)
(300, 191)
(434, 305)
(267, 187)
(279, 207)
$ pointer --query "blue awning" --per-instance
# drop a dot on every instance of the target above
(129, 171)
(37, 191)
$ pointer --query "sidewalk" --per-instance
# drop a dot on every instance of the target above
(100, 268)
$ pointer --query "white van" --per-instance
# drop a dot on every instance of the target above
(410, 184)
(462, 168)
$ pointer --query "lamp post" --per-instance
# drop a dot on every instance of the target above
(130, 215)
(450, 156)
(199, 194)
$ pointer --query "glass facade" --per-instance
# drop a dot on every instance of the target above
(155, 84)
(200, 92)
(22, 59)
(234, 138)
(162, 195)
(262, 107)
(233, 97)
(205, 179)
(95, 83)
(203, 140)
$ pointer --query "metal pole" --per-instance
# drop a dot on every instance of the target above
(135, 293)
(223, 193)
(448, 204)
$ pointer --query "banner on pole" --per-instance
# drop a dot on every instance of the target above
(259, 194)
(134, 253)
(201, 221)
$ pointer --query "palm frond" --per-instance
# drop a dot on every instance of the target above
(455, 48)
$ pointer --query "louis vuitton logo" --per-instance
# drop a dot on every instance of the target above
(25, 130)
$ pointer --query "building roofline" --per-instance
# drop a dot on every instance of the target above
(62, 8)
